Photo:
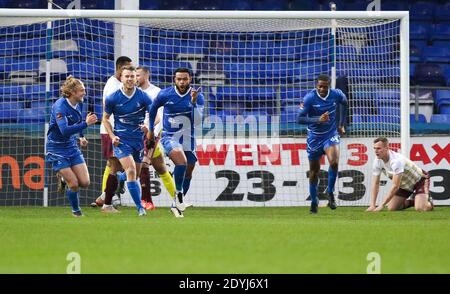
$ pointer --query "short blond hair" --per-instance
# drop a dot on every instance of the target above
(69, 86)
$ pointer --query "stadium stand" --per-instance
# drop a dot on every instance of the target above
(22, 60)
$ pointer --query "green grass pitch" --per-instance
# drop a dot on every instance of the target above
(224, 240)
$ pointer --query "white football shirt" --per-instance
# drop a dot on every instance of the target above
(153, 91)
(398, 164)
(111, 86)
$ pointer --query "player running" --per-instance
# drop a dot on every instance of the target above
(325, 119)
(183, 110)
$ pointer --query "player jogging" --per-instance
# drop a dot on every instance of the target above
(128, 104)
(319, 111)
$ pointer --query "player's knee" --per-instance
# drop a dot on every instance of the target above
(334, 164)
(160, 168)
(84, 183)
(131, 173)
(73, 185)
(313, 177)
(392, 208)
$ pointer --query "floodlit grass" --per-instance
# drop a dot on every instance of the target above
(224, 240)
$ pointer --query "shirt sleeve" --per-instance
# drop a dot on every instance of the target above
(109, 104)
(303, 115)
(63, 124)
(376, 169)
(198, 110)
(398, 166)
(159, 101)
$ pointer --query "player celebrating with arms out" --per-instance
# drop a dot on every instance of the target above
(128, 105)
(407, 179)
(319, 111)
(183, 110)
(62, 149)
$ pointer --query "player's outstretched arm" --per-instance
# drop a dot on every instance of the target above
(198, 102)
(396, 180)
(374, 193)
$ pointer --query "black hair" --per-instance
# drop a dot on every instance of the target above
(183, 69)
(323, 77)
(121, 61)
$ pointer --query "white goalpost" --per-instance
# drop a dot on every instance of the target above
(254, 68)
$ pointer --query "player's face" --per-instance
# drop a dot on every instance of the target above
(119, 70)
(322, 87)
(381, 150)
(182, 81)
(128, 79)
(141, 77)
(78, 93)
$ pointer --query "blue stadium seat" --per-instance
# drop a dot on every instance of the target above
(206, 5)
(100, 47)
(444, 107)
(9, 47)
(441, 32)
(442, 101)
(8, 111)
(306, 5)
(442, 12)
(289, 114)
(72, 29)
(419, 31)
(151, 50)
(345, 52)
(275, 5)
(389, 111)
(388, 95)
(229, 93)
(10, 64)
(35, 92)
(97, 4)
(374, 118)
(421, 118)
(11, 93)
(41, 105)
(412, 69)
(238, 5)
(162, 70)
(93, 69)
(415, 53)
(436, 54)
(393, 5)
(440, 118)
(442, 95)
(26, 4)
(429, 75)
(149, 5)
(31, 116)
(422, 11)
(292, 95)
